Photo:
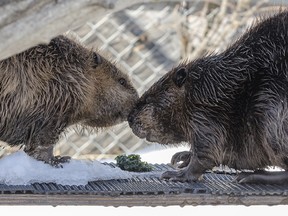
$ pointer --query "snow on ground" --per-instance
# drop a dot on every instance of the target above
(20, 169)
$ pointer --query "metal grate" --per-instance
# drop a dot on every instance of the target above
(145, 184)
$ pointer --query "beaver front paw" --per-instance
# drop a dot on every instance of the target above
(56, 161)
(45, 154)
(183, 156)
(180, 175)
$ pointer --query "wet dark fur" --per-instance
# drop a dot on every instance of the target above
(52, 86)
(231, 107)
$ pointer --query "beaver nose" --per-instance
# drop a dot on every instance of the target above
(130, 119)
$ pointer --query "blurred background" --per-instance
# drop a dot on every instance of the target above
(146, 41)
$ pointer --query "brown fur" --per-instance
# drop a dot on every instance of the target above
(52, 86)
(231, 107)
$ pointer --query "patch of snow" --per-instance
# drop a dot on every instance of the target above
(20, 169)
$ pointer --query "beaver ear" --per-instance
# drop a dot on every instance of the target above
(180, 76)
(97, 59)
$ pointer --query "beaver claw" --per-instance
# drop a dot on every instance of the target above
(183, 156)
(56, 161)
(180, 175)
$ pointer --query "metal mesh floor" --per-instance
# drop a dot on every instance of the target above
(212, 183)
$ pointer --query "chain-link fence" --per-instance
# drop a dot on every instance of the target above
(146, 41)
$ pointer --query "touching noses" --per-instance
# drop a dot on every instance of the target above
(130, 118)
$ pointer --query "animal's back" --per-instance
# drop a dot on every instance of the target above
(260, 112)
(36, 92)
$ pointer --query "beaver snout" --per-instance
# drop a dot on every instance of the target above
(136, 125)
(130, 119)
(138, 130)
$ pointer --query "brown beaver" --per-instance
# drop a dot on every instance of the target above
(231, 107)
(51, 86)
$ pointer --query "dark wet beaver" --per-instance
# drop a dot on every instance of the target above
(231, 107)
(52, 86)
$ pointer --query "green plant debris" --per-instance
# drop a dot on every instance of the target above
(132, 163)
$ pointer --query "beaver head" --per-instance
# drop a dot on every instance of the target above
(160, 112)
(111, 95)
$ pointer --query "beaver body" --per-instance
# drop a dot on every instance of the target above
(231, 107)
(52, 86)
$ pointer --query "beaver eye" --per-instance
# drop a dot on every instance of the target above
(96, 59)
(122, 81)
(180, 77)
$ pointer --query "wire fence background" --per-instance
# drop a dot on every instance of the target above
(146, 41)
